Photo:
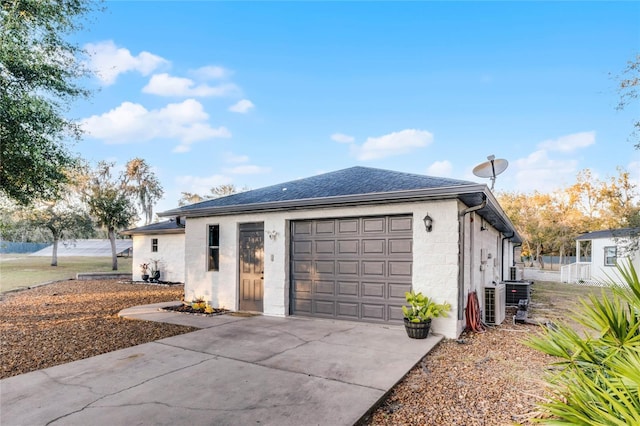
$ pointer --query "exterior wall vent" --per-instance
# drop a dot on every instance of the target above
(494, 304)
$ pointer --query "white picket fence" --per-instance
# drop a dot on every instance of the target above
(578, 273)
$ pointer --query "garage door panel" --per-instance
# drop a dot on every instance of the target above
(324, 307)
(348, 310)
(348, 247)
(325, 247)
(375, 268)
(400, 246)
(301, 266)
(373, 312)
(347, 288)
(302, 286)
(351, 268)
(348, 226)
(370, 225)
(302, 306)
(397, 290)
(301, 247)
(400, 224)
(325, 267)
(373, 247)
(302, 228)
(325, 227)
(370, 289)
(399, 269)
(348, 267)
(395, 313)
(324, 287)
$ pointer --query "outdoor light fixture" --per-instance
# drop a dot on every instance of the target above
(428, 223)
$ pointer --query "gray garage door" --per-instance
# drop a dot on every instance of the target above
(351, 268)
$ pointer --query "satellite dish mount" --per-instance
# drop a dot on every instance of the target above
(491, 169)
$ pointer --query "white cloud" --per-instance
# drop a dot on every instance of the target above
(167, 85)
(211, 72)
(230, 157)
(569, 143)
(243, 106)
(440, 168)
(342, 138)
(538, 172)
(130, 122)
(395, 143)
(108, 61)
(201, 185)
(248, 170)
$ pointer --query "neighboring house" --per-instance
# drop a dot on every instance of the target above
(162, 242)
(597, 254)
(93, 247)
(345, 245)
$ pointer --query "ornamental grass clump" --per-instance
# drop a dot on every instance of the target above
(597, 376)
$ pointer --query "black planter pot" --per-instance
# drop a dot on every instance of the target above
(155, 277)
(417, 330)
(145, 277)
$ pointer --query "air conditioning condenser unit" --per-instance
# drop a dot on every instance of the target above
(494, 304)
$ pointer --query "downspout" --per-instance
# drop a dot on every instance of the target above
(461, 232)
(503, 252)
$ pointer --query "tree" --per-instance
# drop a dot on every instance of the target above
(189, 198)
(628, 89)
(142, 183)
(64, 221)
(38, 74)
(215, 192)
(109, 203)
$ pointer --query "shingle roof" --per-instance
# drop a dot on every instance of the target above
(610, 233)
(166, 227)
(355, 186)
(351, 181)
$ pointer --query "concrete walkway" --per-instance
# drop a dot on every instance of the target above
(234, 371)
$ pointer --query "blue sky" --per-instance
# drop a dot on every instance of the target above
(257, 93)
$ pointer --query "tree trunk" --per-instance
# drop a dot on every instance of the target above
(114, 255)
(539, 256)
(54, 254)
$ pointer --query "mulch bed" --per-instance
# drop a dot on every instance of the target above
(70, 320)
(188, 309)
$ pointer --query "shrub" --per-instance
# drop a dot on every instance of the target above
(597, 376)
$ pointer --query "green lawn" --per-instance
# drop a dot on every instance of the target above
(20, 270)
(557, 301)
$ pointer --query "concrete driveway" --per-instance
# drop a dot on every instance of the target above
(234, 371)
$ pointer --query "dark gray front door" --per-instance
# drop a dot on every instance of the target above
(351, 268)
(251, 266)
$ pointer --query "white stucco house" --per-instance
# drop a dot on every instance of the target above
(162, 242)
(343, 245)
(597, 254)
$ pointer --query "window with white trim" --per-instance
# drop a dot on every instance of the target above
(213, 262)
(154, 245)
(610, 255)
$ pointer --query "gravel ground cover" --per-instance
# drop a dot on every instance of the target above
(488, 378)
(70, 320)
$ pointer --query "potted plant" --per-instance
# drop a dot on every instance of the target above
(417, 317)
(155, 271)
(144, 270)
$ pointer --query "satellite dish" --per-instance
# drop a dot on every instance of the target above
(490, 169)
